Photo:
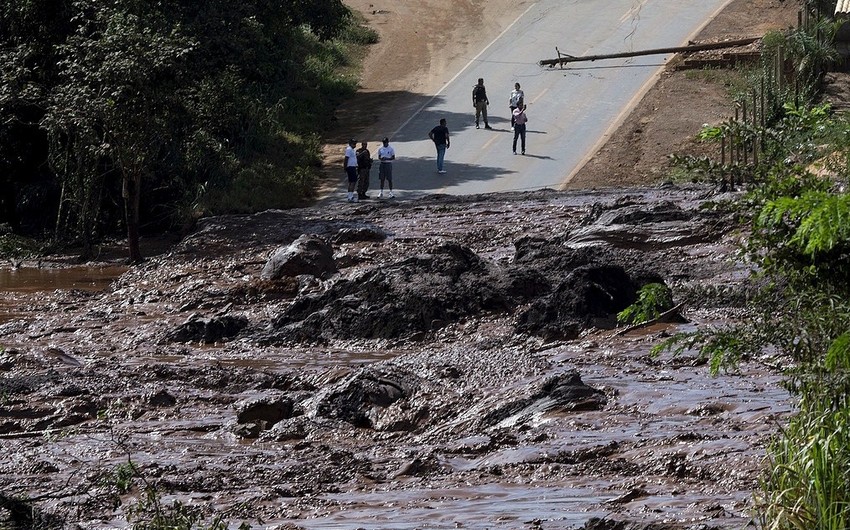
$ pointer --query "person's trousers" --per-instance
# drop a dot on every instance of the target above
(385, 174)
(519, 132)
(441, 156)
(480, 111)
(362, 181)
(351, 174)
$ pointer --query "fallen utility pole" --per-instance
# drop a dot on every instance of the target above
(563, 58)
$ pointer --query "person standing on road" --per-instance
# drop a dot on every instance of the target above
(364, 168)
(520, 119)
(350, 166)
(386, 154)
(480, 102)
(517, 95)
(440, 136)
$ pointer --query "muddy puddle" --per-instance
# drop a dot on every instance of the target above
(31, 279)
(506, 505)
(18, 286)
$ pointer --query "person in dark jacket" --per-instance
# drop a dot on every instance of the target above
(480, 102)
(440, 136)
(364, 168)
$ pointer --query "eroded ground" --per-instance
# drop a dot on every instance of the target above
(454, 367)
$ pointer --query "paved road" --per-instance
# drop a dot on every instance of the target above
(570, 111)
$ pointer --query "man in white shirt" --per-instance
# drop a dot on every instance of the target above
(350, 165)
(386, 154)
(517, 98)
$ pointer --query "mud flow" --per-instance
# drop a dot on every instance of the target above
(439, 363)
(20, 285)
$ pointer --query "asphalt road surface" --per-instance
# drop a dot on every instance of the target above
(571, 111)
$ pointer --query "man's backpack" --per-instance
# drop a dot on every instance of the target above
(478, 93)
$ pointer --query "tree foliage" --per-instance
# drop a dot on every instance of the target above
(140, 115)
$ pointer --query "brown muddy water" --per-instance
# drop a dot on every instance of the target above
(675, 445)
(18, 285)
(676, 426)
(31, 279)
(90, 381)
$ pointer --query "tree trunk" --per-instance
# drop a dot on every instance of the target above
(564, 58)
(131, 201)
(9, 203)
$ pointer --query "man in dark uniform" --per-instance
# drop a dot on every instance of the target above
(480, 102)
(364, 168)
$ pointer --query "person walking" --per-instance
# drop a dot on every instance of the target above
(480, 102)
(517, 97)
(520, 119)
(364, 169)
(350, 166)
(440, 136)
(386, 154)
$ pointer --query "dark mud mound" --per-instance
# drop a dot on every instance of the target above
(570, 289)
(363, 398)
(18, 514)
(596, 523)
(589, 295)
(417, 294)
(306, 255)
(208, 331)
(592, 284)
(563, 392)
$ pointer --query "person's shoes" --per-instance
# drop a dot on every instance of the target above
(487, 126)
(514, 152)
(523, 152)
(442, 171)
(476, 126)
(512, 127)
(381, 195)
(392, 195)
(363, 197)
(354, 199)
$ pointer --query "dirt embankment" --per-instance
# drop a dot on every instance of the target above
(411, 58)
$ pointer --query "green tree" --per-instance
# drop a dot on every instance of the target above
(156, 106)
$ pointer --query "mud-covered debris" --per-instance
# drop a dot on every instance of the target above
(587, 296)
(359, 233)
(309, 254)
(265, 411)
(416, 294)
(59, 356)
(418, 466)
(161, 398)
(596, 523)
(563, 392)
(209, 331)
(357, 398)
